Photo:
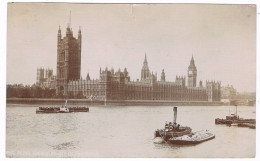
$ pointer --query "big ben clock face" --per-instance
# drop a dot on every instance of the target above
(190, 72)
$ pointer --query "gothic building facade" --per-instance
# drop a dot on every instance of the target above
(116, 85)
(45, 78)
(68, 59)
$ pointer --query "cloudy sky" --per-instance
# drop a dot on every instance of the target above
(222, 39)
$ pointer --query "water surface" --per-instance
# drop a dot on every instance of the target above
(125, 131)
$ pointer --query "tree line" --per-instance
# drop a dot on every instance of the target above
(34, 91)
(21, 91)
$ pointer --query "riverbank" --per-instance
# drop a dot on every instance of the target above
(109, 102)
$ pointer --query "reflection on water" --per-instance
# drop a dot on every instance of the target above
(64, 146)
(122, 132)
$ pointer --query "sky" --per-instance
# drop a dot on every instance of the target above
(221, 38)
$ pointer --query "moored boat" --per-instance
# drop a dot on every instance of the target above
(235, 120)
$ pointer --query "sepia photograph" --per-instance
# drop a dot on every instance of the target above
(150, 80)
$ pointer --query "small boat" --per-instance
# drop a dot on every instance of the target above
(195, 138)
(62, 109)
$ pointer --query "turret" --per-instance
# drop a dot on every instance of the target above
(59, 35)
(125, 72)
(112, 70)
(79, 34)
(201, 85)
(88, 77)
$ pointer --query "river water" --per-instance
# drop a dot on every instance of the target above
(125, 131)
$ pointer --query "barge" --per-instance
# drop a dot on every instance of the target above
(194, 138)
(62, 109)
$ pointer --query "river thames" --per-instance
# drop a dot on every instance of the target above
(123, 131)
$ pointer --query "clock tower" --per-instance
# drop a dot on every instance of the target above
(192, 74)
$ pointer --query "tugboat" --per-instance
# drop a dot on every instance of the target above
(172, 129)
(62, 109)
(234, 120)
(176, 134)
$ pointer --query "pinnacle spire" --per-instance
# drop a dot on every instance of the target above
(145, 59)
(59, 31)
(192, 60)
(88, 77)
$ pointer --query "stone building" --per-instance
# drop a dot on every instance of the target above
(117, 86)
(228, 92)
(45, 78)
(68, 59)
(113, 85)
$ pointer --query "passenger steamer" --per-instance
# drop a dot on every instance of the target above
(62, 109)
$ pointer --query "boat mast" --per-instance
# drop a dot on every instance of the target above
(236, 110)
(66, 103)
(106, 96)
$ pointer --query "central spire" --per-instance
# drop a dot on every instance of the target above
(145, 69)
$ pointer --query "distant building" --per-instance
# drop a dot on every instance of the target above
(228, 92)
(45, 78)
(113, 85)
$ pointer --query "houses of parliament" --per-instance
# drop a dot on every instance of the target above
(116, 85)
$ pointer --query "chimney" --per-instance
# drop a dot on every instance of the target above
(175, 114)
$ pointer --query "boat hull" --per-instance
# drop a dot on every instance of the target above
(196, 138)
(250, 125)
(166, 135)
(41, 110)
(185, 142)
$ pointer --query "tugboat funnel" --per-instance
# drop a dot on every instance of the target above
(174, 114)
